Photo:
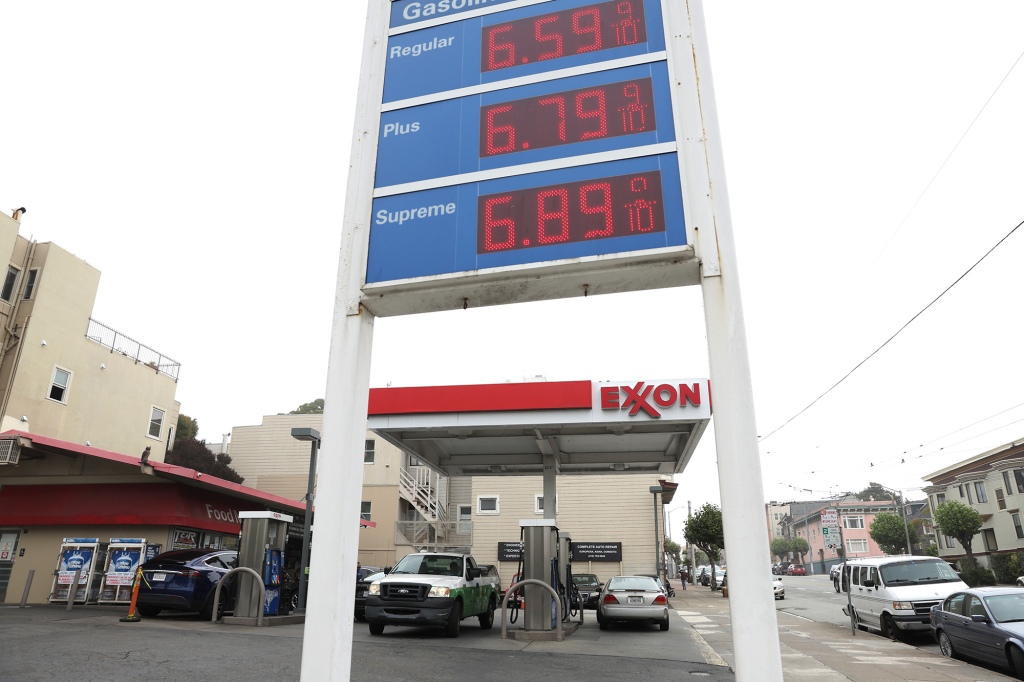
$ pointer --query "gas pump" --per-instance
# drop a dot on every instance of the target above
(540, 562)
(569, 592)
(262, 549)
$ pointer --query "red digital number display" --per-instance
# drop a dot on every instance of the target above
(573, 31)
(572, 212)
(566, 117)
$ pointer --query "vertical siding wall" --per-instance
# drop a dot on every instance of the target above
(606, 508)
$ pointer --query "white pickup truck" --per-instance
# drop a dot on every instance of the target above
(433, 589)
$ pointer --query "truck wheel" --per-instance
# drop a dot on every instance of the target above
(889, 628)
(376, 628)
(487, 617)
(454, 619)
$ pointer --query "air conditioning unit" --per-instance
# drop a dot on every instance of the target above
(9, 451)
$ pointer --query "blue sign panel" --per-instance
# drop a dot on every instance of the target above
(520, 42)
(608, 110)
(405, 12)
(614, 207)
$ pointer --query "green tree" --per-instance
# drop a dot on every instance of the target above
(315, 407)
(673, 549)
(959, 522)
(704, 529)
(781, 547)
(875, 491)
(194, 454)
(800, 546)
(188, 428)
(891, 533)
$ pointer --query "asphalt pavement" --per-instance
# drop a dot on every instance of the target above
(42, 643)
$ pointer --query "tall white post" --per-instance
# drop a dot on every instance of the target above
(327, 639)
(754, 625)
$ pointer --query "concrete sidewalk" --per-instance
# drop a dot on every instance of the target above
(823, 651)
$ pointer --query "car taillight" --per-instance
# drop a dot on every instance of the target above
(610, 599)
(189, 573)
(660, 599)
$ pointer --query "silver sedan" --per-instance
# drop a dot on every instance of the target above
(632, 597)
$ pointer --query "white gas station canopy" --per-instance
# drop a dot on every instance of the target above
(583, 427)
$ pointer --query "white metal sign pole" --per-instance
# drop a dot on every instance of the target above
(327, 639)
(754, 625)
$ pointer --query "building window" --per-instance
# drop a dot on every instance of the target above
(538, 504)
(1000, 500)
(368, 451)
(940, 499)
(364, 510)
(970, 495)
(10, 282)
(979, 489)
(1017, 527)
(950, 542)
(59, 385)
(1018, 477)
(156, 422)
(853, 522)
(856, 545)
(487, 504)
(990, 540)
(30, 284)
(465, 518)
(1006, 483)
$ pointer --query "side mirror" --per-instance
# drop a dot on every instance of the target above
(869, 583)
(979, 619)
(474, 573)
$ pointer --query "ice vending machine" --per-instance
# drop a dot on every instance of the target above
(262, 549)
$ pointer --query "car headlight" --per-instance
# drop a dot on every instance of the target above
(374, 588)
(439, 592)
(903, 605)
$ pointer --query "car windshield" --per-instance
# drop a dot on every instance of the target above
(918, 572)
(430, 564)
(180, 555)
(585, 579)
(1007, 608)
(635, 582)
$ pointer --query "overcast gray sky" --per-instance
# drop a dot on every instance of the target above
(196, 154)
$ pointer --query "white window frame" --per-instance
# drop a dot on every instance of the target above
(160, 429)
(465, 516)
(1017, 526)
(488, 512)
(30, 284)
(370, 451)
(366, 510)
(950, 542)
(53, 382)
(1008, 485)
(538, 506)
(980, 493)
(853, 522)
(861, 542)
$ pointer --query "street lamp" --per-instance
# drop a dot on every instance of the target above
(313, 436)
(655, 489)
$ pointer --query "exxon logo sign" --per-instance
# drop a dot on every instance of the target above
(670, 399)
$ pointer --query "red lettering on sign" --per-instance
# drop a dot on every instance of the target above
(689, 395)
(636, 399)
(609, 398)
(665, 395)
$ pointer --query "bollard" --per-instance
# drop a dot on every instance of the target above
(132, 616)
(28, 586)
(73, 589)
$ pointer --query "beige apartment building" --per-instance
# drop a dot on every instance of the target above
(62, 373)
(416, 508)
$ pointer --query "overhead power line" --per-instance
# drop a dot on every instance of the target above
(898, 331)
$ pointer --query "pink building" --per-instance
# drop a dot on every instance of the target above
(855, 517)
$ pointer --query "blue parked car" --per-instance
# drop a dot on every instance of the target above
(985, 623)
(185, 580)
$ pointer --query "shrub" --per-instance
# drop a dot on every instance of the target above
(1006, 566)
(978, 576)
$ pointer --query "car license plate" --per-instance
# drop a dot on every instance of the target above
(159, 577)
(636, 600)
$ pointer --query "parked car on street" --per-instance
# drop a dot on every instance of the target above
(632, 598)
(185, 580)
(589, 587)
(778, 589)
(985, 623)
(796, 569)
(362, 587)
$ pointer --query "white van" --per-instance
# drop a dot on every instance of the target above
(896, 593)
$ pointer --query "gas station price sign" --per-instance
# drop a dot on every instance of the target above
(512, 41)
(617, 109)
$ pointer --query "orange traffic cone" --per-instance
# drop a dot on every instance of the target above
(133, 616)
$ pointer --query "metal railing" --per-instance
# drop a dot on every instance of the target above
(257, 583)
(130, 348)
(421, 533)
